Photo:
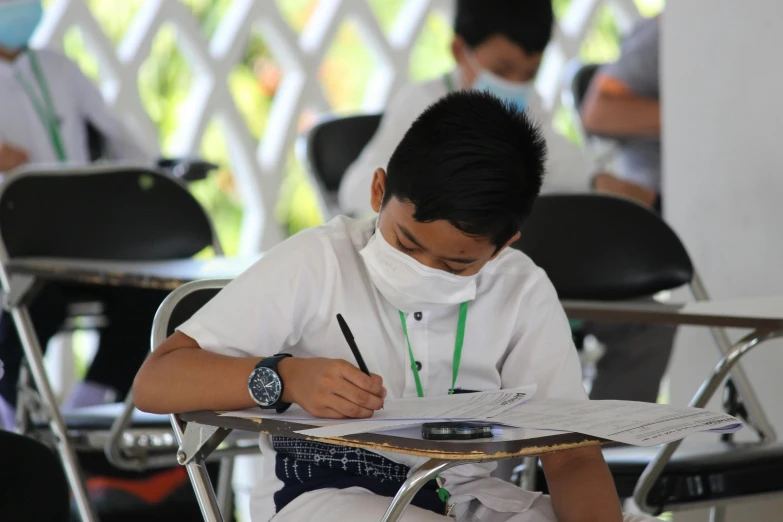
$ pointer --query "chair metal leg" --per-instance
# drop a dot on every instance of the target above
(196, 443)
(757, 417)
(420, 476)
(27, 401)
(205, 495)
(113, 448)
(703, 395)
(32, 352)
(527, 479)
(717, 513)
(225, 491)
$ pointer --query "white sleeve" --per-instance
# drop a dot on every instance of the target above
(354, 193)
(567, 166)
(120, 144)
(267, 308)
(544, 347)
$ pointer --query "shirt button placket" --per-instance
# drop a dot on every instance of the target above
(420, 346)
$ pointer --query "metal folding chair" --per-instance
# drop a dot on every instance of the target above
(98, 213)
(604, 248)
(177, 308)
(329, 148)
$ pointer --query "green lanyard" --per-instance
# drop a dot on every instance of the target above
(448, 82)
(463, 315)
(44, 107)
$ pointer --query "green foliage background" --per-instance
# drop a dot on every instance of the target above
(165, 79)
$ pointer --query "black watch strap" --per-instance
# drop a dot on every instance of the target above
(271, 363)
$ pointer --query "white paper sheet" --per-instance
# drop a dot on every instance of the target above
(636, 423)
(293, 414)
(460, 406)
(363, 426)
(401, 412)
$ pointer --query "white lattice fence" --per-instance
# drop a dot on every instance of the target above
(259, 167)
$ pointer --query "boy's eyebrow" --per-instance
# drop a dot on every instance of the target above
(411, 237)
(461, 260)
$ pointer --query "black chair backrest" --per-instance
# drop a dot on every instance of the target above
(581, 82)
(188, 306)
(96, 143)
(603, 248)
(334, 144)
(109, 213)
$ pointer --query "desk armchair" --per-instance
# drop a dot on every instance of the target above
(604, 248)
(329, 148)
(98, 213)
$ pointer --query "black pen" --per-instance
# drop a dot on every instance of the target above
(352, 344)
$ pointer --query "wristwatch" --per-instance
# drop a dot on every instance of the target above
(266, 386)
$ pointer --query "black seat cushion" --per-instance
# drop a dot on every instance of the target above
(603, 248)
(334, 144)
(145, 215)
(698, 472)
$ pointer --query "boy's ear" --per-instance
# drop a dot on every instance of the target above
(458, 50)
(377, 189)
(510, 242)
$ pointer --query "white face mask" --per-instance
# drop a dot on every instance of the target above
(410, 286)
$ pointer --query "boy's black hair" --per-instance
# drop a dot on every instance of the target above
(527, 23)
(472, 160)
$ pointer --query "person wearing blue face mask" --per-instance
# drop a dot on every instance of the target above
(518, 93)
(48, 104)
(497, 47)
(46, 107)
(18, 20)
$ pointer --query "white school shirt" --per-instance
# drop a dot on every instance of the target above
(567, 167)
(76, 100)
(516, 332)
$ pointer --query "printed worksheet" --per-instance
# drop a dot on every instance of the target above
(636, 423)
(398, 412)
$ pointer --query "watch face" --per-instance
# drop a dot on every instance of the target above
(265, 386)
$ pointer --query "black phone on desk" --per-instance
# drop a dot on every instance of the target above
(455, 431)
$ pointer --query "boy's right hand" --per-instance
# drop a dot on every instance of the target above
(331, 388)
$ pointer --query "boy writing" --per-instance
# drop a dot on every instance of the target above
(435, 262)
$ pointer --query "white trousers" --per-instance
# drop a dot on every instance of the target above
(360, 505)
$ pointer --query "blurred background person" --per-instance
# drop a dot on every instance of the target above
(48, 110)
(623, 103)
(497, 47)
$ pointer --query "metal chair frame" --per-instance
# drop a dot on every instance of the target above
(36, 397)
